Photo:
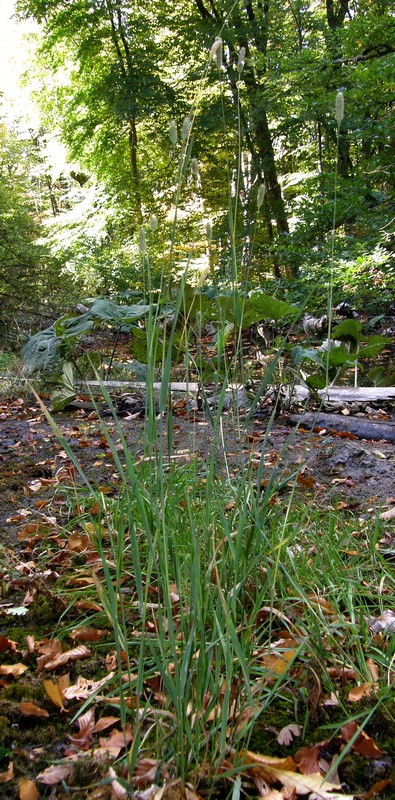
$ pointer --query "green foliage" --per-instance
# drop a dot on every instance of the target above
(42, 353)
(348, 328)
(339, 357)
(241, 309)
(373, 346)
(53, 351)
(64, 393)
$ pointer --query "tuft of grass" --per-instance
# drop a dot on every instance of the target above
(224, 597)
(223, 594)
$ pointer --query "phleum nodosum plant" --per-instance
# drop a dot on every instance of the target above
(210, 588)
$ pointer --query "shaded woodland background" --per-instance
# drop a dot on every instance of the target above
(112, 77)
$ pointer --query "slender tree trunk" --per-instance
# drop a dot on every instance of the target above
(125, 62)
(335, 15)
(265, 148)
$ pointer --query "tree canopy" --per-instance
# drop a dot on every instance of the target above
(250, 89)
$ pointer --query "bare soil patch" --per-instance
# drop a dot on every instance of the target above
(332, 465)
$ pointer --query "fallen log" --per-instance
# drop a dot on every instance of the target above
(349, 394)
(341, 394)
(358, 426)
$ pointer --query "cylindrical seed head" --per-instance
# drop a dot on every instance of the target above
(216, 52)
(339, 113)
(186, 127)
(240, 63)
(173, 133)
(261, 195)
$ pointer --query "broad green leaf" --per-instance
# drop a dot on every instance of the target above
(73, 326)
(300, 354)
(68, 375)
(42, 352)
(339, 356)
(381, 376)
(316, 381)
(348, 327)
(114, 314)
(373, 346)
(222, 337)
(61, 397)
(142, 349)
(270, 307)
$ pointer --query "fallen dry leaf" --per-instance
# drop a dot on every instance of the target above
(323, 604)
(54, 774)
(343, 673)
(389, 514)
(278, 663)
(48, 648)
(104, 723)
(78, 542)
(377, 788)
(385, 623)
(69, 655)
(305, 480)
(13, 669)
(288, 733)
(84, 688)
(307, 784)
(302, 784)
(118, 738)
(308, 759)
(7, 644)
(373, 670)
(31, 710)
(8, 774)
(358, 692)
(363, 743)
(144, 772)
(85, 634)
(54, 693)
(83, 739)
(118, 792)
(28, 790)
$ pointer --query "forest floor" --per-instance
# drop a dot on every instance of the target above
(336, 467)
(354, 477)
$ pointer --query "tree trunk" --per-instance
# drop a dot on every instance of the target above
(265, 148)
(125, 62)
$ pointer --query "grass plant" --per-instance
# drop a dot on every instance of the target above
(223, 594)
(223, 598)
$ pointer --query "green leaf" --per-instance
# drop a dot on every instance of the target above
(300, 354)
(42, 352)
(65, 393)
(339, 356)
(222, 337)
(381, 376)
(374, 346)
(68, 375)
(117, 315)
(73, 326)
(348, 328)
(142, 349)
(270, 307)
(316, 381)
(61, 397)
